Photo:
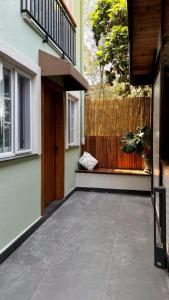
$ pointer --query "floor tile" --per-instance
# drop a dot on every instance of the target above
(75, 290)
(93, 235)
(76, 275)
(138, 290)
(96, 246)
(19, 281)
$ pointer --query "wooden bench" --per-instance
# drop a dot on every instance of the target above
(118, 180)
(113, 171)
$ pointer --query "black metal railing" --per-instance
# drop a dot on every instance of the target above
(160, 251)
(54, 20)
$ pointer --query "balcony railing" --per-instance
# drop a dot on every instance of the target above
(54, 20)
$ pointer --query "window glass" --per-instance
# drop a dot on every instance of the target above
(15, 112)
(5, 112)
(71, 122)
(23, 113)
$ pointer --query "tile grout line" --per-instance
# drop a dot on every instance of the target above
(52, 263)
(111, 258)
(108, 274)
(67, 239)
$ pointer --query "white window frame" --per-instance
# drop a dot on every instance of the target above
(8, 67)
(24, 151)
(76, 142)
(14, 111)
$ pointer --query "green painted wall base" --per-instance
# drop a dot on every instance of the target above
(20, 199)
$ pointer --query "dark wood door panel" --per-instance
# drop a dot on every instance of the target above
(52, 144)
(60, 146)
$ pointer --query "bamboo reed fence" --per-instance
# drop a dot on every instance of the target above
(105, 123)
(115, 116)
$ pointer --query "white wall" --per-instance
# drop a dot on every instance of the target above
(112, 181)
(20, 181)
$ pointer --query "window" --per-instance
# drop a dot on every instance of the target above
(5, 112)
(72, 121)
(15, 112)
(23, 113)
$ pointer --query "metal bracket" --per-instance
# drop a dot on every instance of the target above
(46, 38)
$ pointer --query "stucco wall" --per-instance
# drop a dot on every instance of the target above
(17, 33)
(72, 155)
(20, 198)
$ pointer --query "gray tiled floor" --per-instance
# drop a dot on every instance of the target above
(95, 247)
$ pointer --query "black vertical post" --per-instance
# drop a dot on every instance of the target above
(59, 24)
(160, 251)
(48, 14)
(53, 14)
(45, 14)
(38, 8)
(51, 18)
(34, 10)
(70, 40)
(74, 53)
(31, 6)
(56, 21)
(42, 12)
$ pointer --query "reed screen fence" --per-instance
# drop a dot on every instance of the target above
(105, 123)
(114, 117)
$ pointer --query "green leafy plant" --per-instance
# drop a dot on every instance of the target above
(110, 29)
(138, 142)
(109, 24)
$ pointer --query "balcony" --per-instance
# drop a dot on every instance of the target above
(55, 22)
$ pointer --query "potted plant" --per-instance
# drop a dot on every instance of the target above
(140, 143)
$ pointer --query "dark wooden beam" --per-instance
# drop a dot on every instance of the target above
(143, 38)
(129, 4)
(145, 79)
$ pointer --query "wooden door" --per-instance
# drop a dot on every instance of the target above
(52, 144)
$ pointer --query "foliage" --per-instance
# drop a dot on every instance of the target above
(91, 67)
(110, 30)
(139, 142)
(109, 26)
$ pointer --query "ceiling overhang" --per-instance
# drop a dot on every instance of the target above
(144, 35)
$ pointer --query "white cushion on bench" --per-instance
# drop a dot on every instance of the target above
(88, 161)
